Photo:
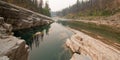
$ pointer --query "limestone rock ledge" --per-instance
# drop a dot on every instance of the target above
(21, 18)
(82, 44)
(12, 48)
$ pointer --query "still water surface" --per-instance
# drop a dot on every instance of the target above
(49, 44)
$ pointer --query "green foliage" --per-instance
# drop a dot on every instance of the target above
(46, 12)
(31, 5)
(99, 13)
(106, 13)
(92, 8)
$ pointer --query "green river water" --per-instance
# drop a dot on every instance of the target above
(50, 45)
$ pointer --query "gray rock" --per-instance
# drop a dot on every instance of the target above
(80, 57)
(8, 28)
(1, 20)
(92, 47)
(14, 48)
(17, 18)
(4, 58)
(21, 18)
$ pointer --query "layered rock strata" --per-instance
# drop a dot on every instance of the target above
(82, 44)
(11, 48)
(14, 18)
(21, 18)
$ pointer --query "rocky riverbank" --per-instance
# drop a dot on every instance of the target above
(11, 48)
(113, 20)
(84, 45)
(14, 18)
(111, 23)
(21, 18)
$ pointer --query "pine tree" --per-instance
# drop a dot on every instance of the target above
(33, 5)
(41, 4)
(47, 9)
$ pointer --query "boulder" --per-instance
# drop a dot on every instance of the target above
(14, 48)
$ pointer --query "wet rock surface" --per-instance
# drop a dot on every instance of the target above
(82, 44)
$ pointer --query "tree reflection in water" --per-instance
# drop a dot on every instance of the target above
(31, 35)
(38, 38)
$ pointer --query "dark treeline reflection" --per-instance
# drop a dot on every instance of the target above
(37, 38)
(33, 36)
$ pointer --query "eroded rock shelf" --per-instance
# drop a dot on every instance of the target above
(14, 18)
(94, 49)
(21, 18)
(11, 48)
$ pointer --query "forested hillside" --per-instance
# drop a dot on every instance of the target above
(34, 5)
(92, 8)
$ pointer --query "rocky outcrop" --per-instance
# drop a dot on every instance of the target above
(82, 44)
(11, 48)
(14, 18)
(21, 18)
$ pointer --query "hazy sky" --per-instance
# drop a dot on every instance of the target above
(57, 5)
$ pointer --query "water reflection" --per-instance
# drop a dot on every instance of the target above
(64, 54)
(49, 41)
(33, 36)
(37, 38)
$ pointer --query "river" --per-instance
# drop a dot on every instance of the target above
(48, 42)
(50, 45)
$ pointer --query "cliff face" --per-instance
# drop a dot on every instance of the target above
(21, 18)
(84, 45)
(11, 48)
(13, 18)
